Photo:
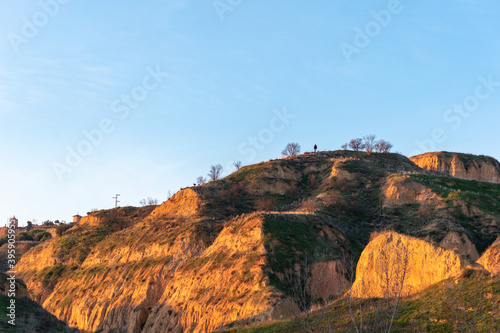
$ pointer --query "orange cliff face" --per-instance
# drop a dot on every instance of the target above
(170, 280)
(471, 167)
(170, 269)
(167, 273)
(209, 257)
(400, 190)
(392, 261)
(490, 259)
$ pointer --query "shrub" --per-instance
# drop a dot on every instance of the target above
(215, 172)
(38, 235)
(383, 146)
(3, 240)
(291, 149)
(334, 199)
(294, 191)
(200, 181)
(338, 182)
(233, 195)
(369, 143)
(313, 179)
(309, 206)
(149, 202)
(60, 229)
(265, 204)
(22, 236)
(356, 144)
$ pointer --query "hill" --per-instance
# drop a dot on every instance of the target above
(29, 315)
(238, 250)
(465, 166)
(468, 303)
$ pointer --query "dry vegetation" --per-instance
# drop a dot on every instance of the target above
(316, 207)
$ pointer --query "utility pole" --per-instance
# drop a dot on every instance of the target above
(116, 200)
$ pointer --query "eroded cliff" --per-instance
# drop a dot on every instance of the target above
(490, 259)
(401, 189)
(28, 315)
(393, 264)
(465, 166)
(232, 251)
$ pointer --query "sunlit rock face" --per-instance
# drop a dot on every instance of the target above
(211, 256)
(184, 203)
(471, 167)
(393, 263)
(490, 259)
(460, 243)
(159, 275)
(400, 190)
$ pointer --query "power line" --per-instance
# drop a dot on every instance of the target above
(116, 200)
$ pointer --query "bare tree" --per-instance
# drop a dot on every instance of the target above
(149, 202)
(303, 291)
(169, 194)
(369, 143)
(215, 172)
(237, 164)
(356, 144)
(383, 146)
(345, 146)
(291, 149)
(200, 181)
(472, 309)
(378, 315)
(310, 286)
(309, 206)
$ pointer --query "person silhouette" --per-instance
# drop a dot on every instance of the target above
(315, 148)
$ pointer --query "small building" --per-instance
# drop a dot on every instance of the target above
(76, 218)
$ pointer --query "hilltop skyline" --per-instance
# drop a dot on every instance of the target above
(98, 99)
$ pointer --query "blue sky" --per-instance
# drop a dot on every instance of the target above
(205, 77)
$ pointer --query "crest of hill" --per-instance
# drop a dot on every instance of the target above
(465, 166)
(286, 181)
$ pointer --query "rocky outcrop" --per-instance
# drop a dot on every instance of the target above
(276, 179)
(461, 244)
(490, 259)
(340, 172)
(89, 220)
(184, 203)
(471, 167)
(118, 283)
(7, 285)
(29, 316)
(328, 279)
(159, 276)
(393, 263)
(21, 248)
(399, 190)
(223, 284)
